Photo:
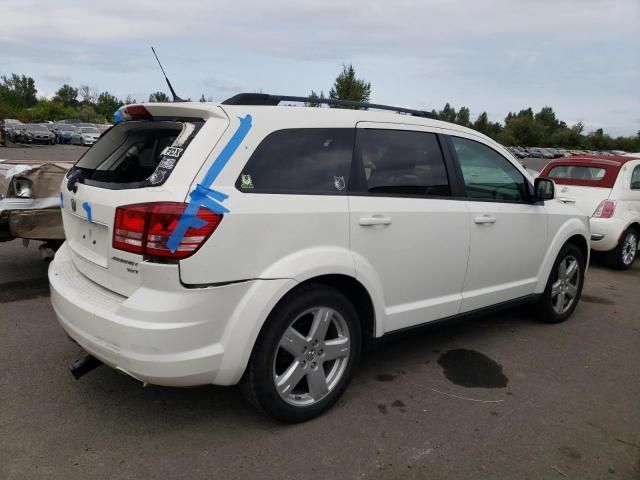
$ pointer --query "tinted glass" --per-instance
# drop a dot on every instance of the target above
(577, 172)
(401, 162)
(487, 174)
(635, 179)
(300, 160)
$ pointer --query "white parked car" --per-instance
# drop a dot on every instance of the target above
(262, 244)
(607, 188)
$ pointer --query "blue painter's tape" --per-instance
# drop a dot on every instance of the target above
(203, 195)
(61, 200)
(87, 208)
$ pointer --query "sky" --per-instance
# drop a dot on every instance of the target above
(581, 57)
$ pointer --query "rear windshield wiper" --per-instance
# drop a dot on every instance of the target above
(73, 179)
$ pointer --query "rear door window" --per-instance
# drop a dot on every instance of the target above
(136, 154)
(487, 174)
(400, 162)
(300, 161)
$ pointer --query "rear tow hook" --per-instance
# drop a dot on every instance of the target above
(83, 366)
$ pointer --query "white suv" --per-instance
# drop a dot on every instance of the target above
(262, 244)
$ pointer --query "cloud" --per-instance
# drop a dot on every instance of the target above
(57, 77)
(580, 56)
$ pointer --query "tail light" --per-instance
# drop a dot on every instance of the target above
(606, 209)
(144, 229)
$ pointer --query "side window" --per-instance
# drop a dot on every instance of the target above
(635, 178)
(487, 174)
(300, 161)
(400, 162)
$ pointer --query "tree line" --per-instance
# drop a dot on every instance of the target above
(19, 99)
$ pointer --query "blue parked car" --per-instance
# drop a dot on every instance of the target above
(63, 132)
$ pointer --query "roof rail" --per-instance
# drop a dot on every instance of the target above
(266, 99)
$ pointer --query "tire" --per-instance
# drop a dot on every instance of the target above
(561, 295)
(622, 257)
(272, 362)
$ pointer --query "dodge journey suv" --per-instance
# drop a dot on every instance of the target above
(247, 242)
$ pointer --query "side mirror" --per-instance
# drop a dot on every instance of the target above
(544, 189)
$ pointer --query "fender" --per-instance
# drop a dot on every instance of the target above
(571, 227)
(273, 284)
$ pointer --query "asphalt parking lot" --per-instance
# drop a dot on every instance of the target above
(497, 397)
(18, 151)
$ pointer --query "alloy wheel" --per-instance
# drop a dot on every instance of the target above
(629, 248)
(565, 289)
(312, 356)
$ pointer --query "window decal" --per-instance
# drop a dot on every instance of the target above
(203, 195)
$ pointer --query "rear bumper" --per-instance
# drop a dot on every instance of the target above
(605, 233)
(163, 334)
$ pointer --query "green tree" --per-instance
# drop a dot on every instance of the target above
(314, 96)
(130, 100)
(18, 91)
(86, 113)
(88, 94)
(159, 97)
(348, 87)
(107, 104)
(51, 110)
(67, 95)
(524, 130)
(462, 117)
(547, 118)
(447, 114)
(482, 123)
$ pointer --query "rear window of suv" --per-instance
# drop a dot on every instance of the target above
(136, 154)
(306, 161)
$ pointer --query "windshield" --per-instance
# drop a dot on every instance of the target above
(135, 154)
(66, 128)
(37, 128)
(89, 130)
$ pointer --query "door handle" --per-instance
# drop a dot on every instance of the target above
(374, 220)
(484, 219)
(566, 200)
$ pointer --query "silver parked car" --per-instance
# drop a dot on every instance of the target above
(85, 136)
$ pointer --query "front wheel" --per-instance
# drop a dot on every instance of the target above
(624, 254)
(564, 286)
(305, 355)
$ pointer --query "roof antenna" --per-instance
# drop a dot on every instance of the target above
(176, 98)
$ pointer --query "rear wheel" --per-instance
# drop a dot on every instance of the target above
(564, 286)
(305, 355)
(624, 254)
